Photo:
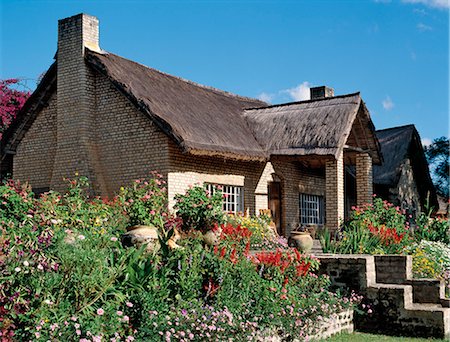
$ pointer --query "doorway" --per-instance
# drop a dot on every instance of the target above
(274, 189)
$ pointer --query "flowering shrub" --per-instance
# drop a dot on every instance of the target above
(199, 209)
(262, 236)
(145, 201)
(11, 101)
(430, 259)
(432, 228)
(64, 275)
(378, 228)
(16, 200)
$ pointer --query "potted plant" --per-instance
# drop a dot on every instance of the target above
(145, 203)
(201, 210)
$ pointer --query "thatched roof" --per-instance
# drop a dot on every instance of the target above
(203, 120)
(315, 127)
(208, 121)
(397, 144)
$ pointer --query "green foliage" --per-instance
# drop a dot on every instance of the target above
(432, 228)
(439, 160)
(65, 276)
(378, 228)
(145, 201)
(431, 260)
(199, 209)
(16, 200)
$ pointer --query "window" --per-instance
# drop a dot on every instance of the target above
(311, 209)
(233, 200)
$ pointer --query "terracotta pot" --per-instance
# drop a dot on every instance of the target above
(302, 241)
(211, 237)
(139, 235)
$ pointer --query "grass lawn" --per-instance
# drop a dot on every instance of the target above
(356, 337)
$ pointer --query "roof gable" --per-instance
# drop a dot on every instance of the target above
(320, 126)
(397, 144)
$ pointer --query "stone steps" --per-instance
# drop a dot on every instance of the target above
(401, 305)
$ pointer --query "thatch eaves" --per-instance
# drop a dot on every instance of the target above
(314, 127)
(397, 144)
(202, 120)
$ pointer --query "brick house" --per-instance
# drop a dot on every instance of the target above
(115, 120)
(403, 178)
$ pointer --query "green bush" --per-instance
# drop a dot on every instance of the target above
(432, 228)
(145, 201)
(199, 209)
(65, 276)
(378, 228)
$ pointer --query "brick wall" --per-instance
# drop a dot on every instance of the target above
(334, 175)
(364, 181)
(129, 143)
(295, 179)
(185, 170)
(35, 154)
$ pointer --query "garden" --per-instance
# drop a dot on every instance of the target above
(382, 228)
(64, 273)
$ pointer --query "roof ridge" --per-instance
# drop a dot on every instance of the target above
(216, 90)
(305, 101)
(397, 127)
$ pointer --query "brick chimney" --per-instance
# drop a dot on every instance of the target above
(76, 106)
(321, 92)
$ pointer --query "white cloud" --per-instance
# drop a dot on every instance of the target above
(423, 28)
(442, 4)
(387, 103)
(266, 97)
(426, 142)
(300, 92)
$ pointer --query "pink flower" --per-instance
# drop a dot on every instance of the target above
(119, 313)
(100, 312)
(37, 334)
(113, 238)
(78, 332)
(81, 237)
(130, 338)
(126, 319)
(129, 304)
(152, 212)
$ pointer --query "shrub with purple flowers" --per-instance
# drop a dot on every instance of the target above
(64, 274)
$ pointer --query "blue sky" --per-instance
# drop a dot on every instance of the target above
(396, 53)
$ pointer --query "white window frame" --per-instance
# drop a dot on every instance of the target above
(311, 209)
(233, 201)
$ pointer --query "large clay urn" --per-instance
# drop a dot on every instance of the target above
(302, 241)
(139, 235)
(212, 236)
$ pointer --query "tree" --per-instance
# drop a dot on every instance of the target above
(439, 160)
(11, 101)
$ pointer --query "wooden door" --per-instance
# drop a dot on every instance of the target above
(275, 204)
